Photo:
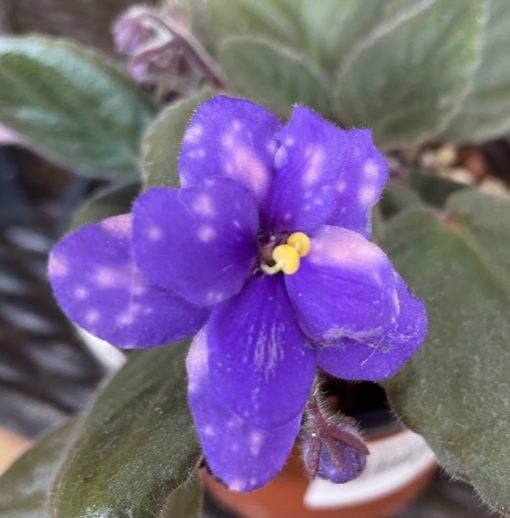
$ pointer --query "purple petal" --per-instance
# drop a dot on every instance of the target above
(242, 455)
(345, 287)
(308, 162)
(324, 175)
(230, 137)
(199, 242)
(99, 287)
(260, 364)
(379, 359)
(359, 185)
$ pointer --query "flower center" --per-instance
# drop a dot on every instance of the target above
(287, 257)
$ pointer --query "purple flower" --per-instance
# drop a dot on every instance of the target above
(264, 249)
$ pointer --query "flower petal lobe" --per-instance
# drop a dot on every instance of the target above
(199, 242)
(99, 287)
(245, 457)
(308, 161)
(233, 138)
(377, 359)
(345, 287)
(260, 364)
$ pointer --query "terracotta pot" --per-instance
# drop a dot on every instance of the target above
(399, 467)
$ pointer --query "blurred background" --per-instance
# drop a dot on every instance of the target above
(46, 370)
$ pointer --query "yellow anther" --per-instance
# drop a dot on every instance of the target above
(300, 242)
(286, 258)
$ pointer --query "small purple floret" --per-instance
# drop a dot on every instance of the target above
(333, 448)
(204, 257)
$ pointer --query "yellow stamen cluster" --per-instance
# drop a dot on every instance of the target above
(288, 256)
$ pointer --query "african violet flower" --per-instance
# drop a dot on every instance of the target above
(264, 249)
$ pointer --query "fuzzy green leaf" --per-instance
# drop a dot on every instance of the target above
(162, 142)
(186, 500)
(275, 76)
(456, 389)
(485, 112)
(108, 202)
(433, 189)
(323, 32)
(397, 197)
(136, 445)
(406, 79)
(26, 486)
(277, 21)
(71, 104)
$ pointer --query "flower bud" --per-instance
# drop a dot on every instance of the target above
(130, 31)
(333, 448)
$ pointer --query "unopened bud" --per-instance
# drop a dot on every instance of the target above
(130, 30)
(333, 448)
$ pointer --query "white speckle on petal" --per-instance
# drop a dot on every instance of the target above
(185, 181)
(271, 146)
(289, 141)
(227, 140)
(203, 205)
(371, 169)
(234, 422)
(81, 293)
(118, 225)
(280, 157)
(206, 233)
(214, 296)
(340, 186)
(196, 153)
(140, 286)
(58, 266)
(256, 439)
(337, 247)
(236, 223)
(125, 318)
(235, 447)
(396, 300)
(193, 134)
(197, 361)
(314, 166)
(236, 125)
(250, 170)
(209, 430)
(367, 195)
(287, 216)
(92, 316)
(154, 233)
(106, 277)
(238, 484)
